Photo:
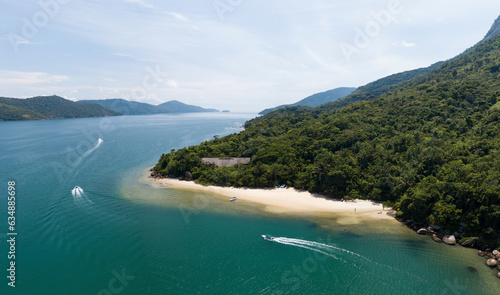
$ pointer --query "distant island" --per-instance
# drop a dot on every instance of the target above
(316, 99)
(126, 107)
(56, 107)
(48, 107)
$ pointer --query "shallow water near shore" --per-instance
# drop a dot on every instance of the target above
(164, 241)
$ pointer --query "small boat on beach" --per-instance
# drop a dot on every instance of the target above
(268, 237)
(232, 199)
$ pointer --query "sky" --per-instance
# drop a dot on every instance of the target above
(237, 55)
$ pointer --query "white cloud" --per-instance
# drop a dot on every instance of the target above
(23, 79)
(177, 16)
(404, 44)
(121, 54)
(141, 3)
(172, 83)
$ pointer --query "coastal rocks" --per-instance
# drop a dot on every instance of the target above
(422, 231)
(188, 176)
(498, 275)
(392, 213)
(469, 241)
(449, 240)
(496, 253)
(491, 262)
(436, 238)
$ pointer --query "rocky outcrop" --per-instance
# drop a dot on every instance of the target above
(422, 231)
(498, 275)
(491, 262)
(469, 241)
(188, 176)
(449, 240)
(436, 238)
(392, 213)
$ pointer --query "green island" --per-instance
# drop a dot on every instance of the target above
(48, 107)
(426, 143)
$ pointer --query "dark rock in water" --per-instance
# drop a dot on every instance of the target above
(491, 262)
(435, 238)
(472, 269)
(422, 231)
(449, 240)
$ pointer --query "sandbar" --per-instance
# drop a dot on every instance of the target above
(286, 201)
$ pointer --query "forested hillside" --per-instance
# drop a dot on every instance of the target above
(48, 107)
(429, 147)
(126, 107)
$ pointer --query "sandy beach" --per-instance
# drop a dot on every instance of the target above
(285, 200)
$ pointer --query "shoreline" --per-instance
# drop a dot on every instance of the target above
(284, 201)
(302, 204)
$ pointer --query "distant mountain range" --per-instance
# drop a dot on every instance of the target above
(48, 107)
(56, 107)
(126, 107)
(316, 99)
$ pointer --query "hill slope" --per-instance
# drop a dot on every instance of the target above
(317, 99)
(48, 107)
(123, 106)
(380, 86)
(429, 147)
(126, 107)
(175, 106)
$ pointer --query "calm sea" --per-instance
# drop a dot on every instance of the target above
(115, 235)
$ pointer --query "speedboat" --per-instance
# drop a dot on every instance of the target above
(232, 199)
(268, 237)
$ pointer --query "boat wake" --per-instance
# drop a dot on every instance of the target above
(79, 196)
(87, 153)
(352, 258)
(324, 249)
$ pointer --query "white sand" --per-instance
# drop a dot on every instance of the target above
(286, 201)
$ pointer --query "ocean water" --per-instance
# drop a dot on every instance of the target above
(116, 235)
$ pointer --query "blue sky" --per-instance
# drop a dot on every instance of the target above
(239, 55)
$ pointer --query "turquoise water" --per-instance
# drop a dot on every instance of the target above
(124, 237)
